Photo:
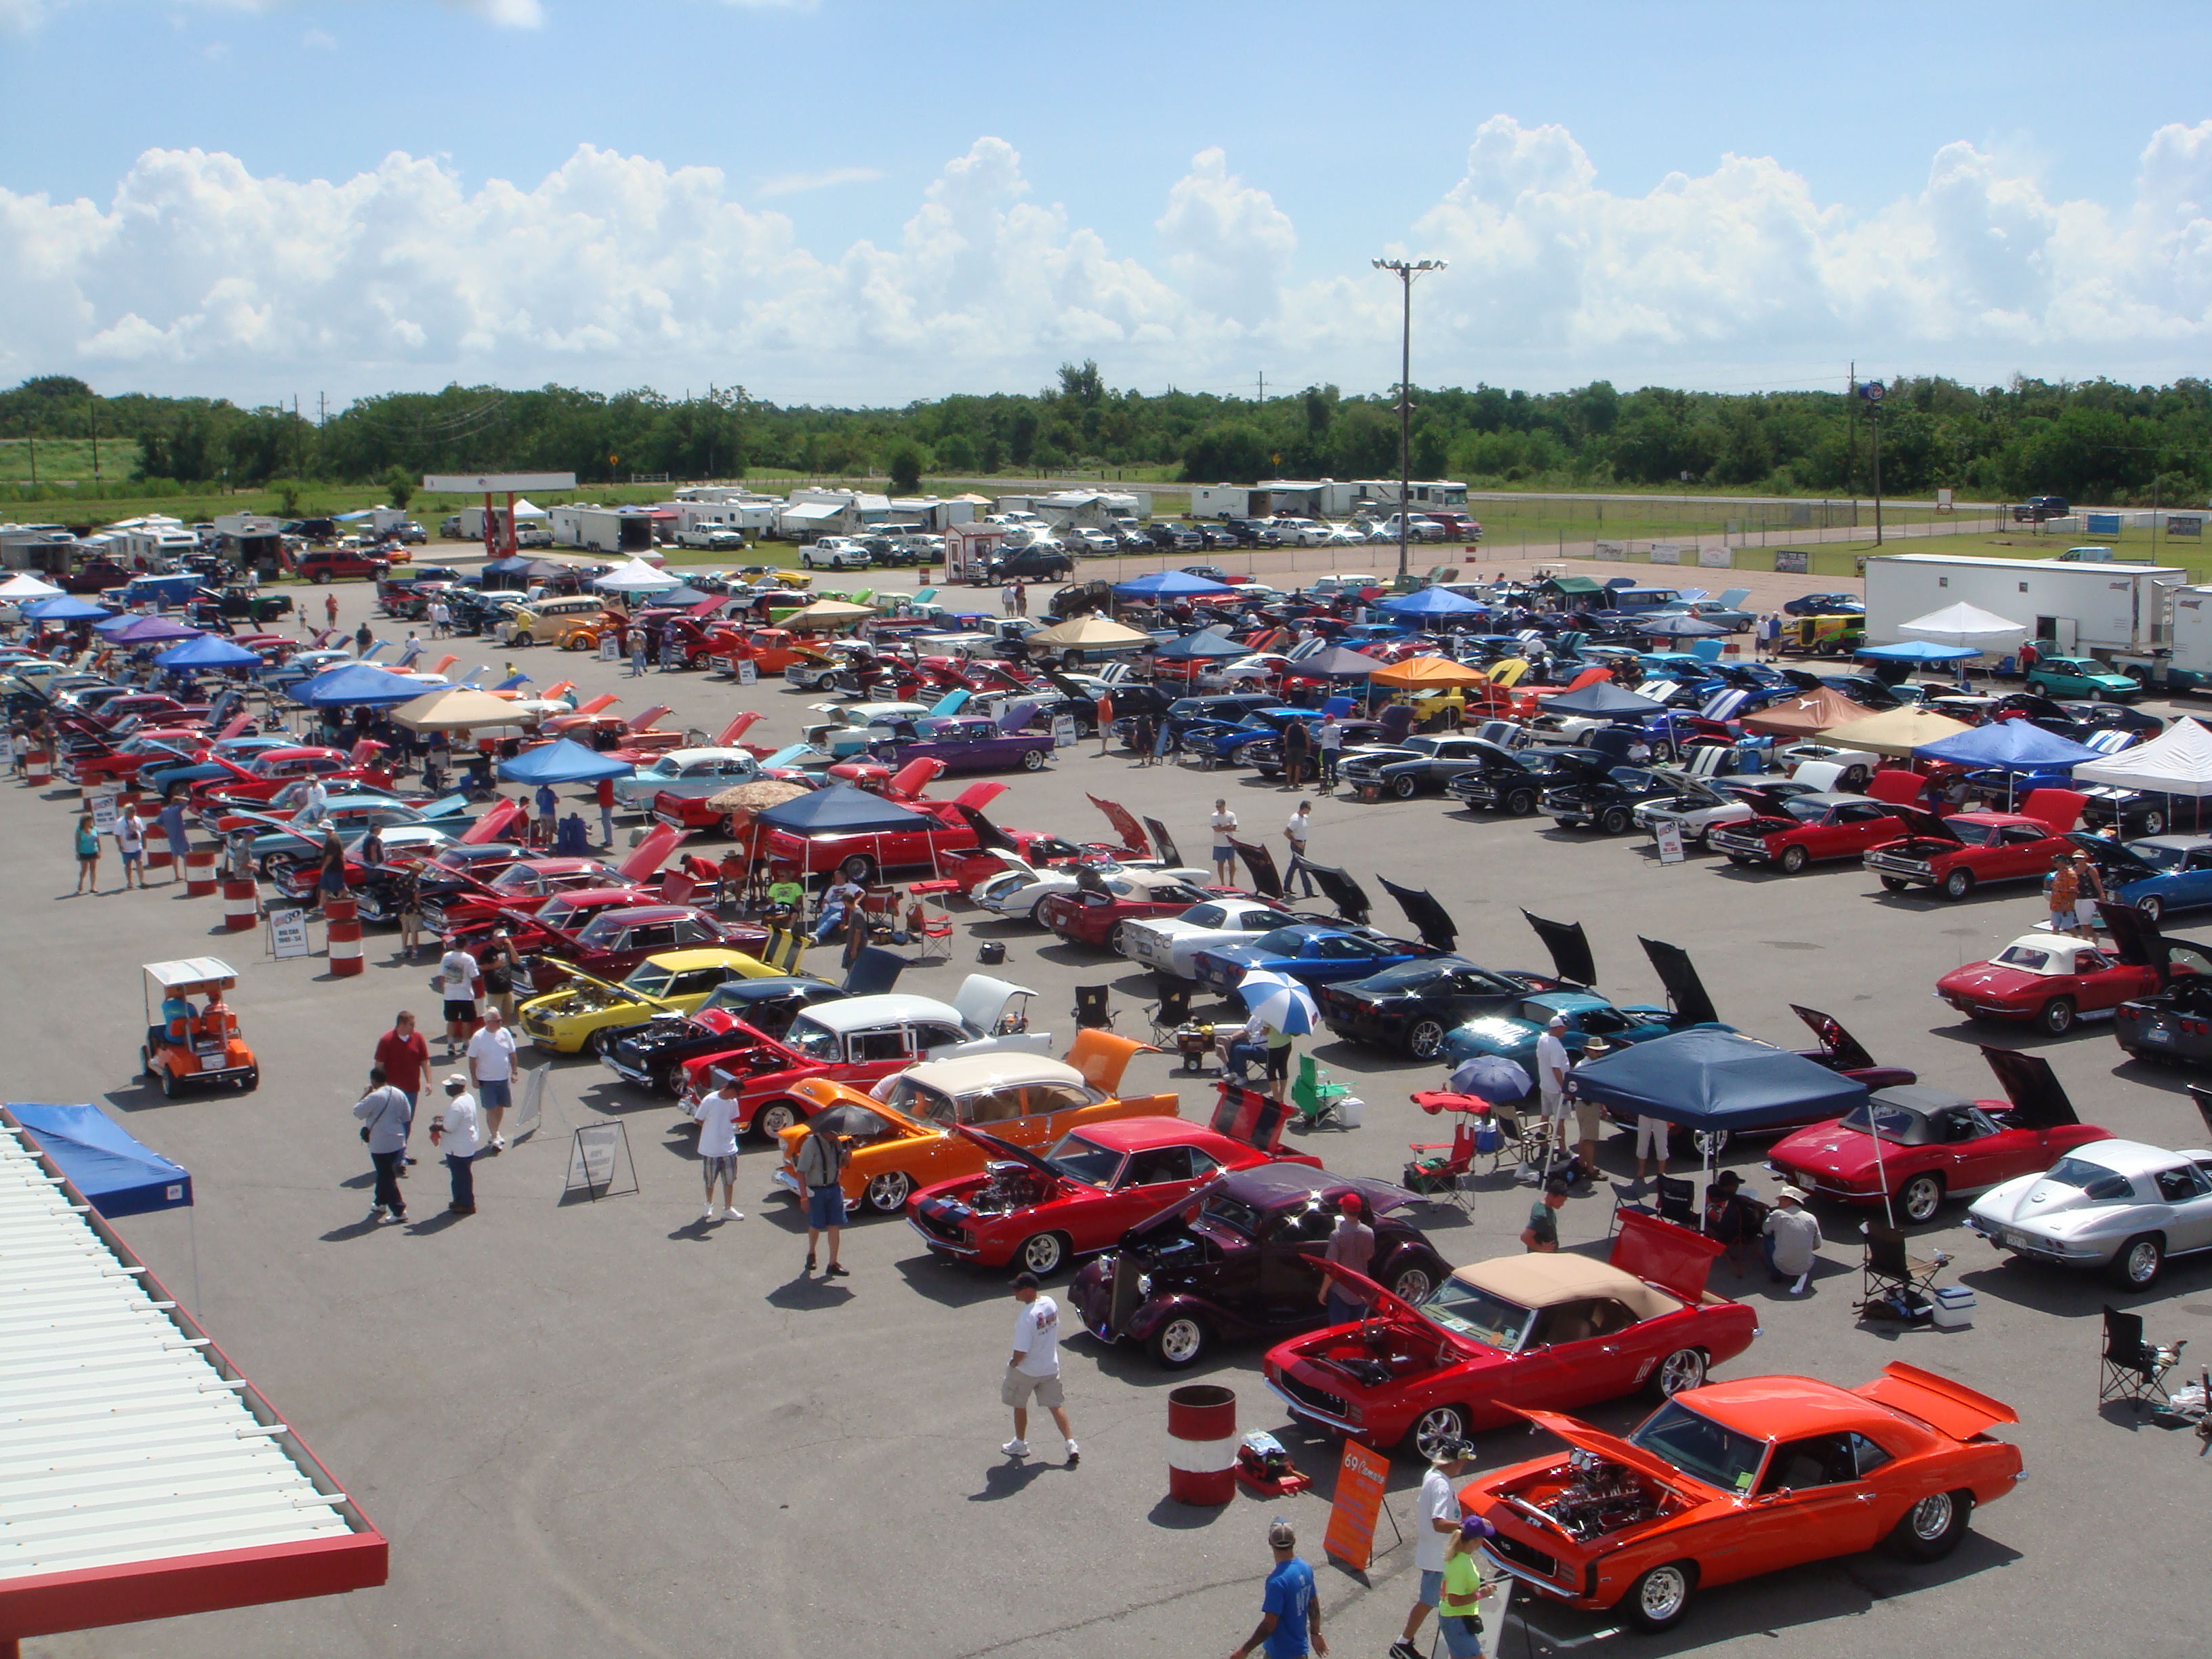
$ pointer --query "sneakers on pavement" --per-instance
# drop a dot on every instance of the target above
(498, 1143)
(837, 1270)
(1074, 1454)
(708, 1213)
(1016, 1449)
(375, 1213)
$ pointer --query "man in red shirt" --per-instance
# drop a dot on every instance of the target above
(606, 797)
(403, 1053)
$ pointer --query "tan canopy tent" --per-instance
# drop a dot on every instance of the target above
(460, 710)
(1896, 731)
(1805, 714)
(827, 613)
(1095, 631)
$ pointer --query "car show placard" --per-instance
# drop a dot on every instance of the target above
(103, 814)
(1670, 835)
(1360, 1479)
(747, 673)
(288, 933)
(609, 649)
(592, 1159)
(1666, 553)
(530, 1104)
(1063, 732)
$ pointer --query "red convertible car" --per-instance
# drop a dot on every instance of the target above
(1958, 854)
(1042, 1209)
(2052, 980)
(1104, 899)
(1933, 1145)
(1738, 1479)
(1515, 1330)
(1809, 827)
(251, 784)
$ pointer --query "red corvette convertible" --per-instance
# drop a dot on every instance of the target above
(1517, 1331)
(1042, 1209)
(1933, 1145)
(1102, 900)
(2053, 981)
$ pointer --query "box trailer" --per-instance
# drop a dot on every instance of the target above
(1230, 501)
(2184, 663)
(2092, 609)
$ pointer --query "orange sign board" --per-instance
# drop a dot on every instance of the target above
(1360, 1479)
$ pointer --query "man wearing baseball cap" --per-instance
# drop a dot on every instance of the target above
(1552, 1091)
(1290, 1612)
(1436, 1520)
(1353, 1246)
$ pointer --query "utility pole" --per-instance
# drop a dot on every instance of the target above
(1851, 441)
(1406, 271)
(94, 408)
(1263, 387)
(1872, 391)
(32, 438)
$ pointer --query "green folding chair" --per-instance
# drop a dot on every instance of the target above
(1314, 1095)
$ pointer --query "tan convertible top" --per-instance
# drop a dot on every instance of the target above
(1540, 1280)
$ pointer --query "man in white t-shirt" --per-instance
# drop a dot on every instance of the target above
(1435, 1517)
(459, 978)
(1552, 1091)
(1034, 1372)
(457, 1135)
(491, 1068)
(718, 1150)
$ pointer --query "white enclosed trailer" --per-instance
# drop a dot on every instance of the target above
(2095, 610)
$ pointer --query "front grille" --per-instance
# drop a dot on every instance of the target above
(1305, 1393)
(1526, 1556)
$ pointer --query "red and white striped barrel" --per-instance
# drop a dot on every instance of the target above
(342, 919)
(240, 906)
(38, 768)
(1201, 1444)
(199, 871)
(158, 855)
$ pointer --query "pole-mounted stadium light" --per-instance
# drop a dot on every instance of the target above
(1406, 271)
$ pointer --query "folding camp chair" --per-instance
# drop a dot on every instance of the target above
(2132, 1367)
(1894, 1280)
(1677, 1200)
(1626, 1201)
(1172, 1010)
(1497, 1136)
(1447, 1179)
(1314, 1095)
(928, 921)
(1091, 1011)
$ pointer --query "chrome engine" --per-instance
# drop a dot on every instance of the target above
(1602, 1498)
(1010, 1186)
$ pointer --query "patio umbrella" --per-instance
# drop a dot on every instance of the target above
(1168, 585)
(1433, 602)
(758, 795)
(563, 761)
(459, 709)
(637, 577)
(28, 586)
(1280, 1002)
(1489, 1077)
(207, 652)
(1430, 670)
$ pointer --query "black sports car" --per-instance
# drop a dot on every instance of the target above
(1414, 1006)
(1603, 797)
(1245, 1264)
(651, 1055)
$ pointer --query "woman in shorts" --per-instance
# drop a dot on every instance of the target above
(87, 853)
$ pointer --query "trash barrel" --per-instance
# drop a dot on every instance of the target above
(199, 871)
(38, 768)
(240, 906)
(341, 917)
(1202, 1445)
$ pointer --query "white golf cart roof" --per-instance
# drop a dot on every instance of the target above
(192, 974)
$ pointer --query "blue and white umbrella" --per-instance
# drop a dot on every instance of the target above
(1489, 1077)
(1279, 1001)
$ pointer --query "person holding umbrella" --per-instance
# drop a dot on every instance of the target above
(820, 1162)
(1287, 1010)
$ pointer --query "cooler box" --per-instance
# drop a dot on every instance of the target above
(1350, 1108)
(1954, 1308)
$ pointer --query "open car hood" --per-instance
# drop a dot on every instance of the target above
(997, 1149)
(988, 835)
(649, 854)
(1570, 949)
(1685, 990)
(1920, 823)
(1165, 843)
(874, 973)
(1674, 1258)
(916, 775)
(493, 826)
(2135, 937)
(1429, 919)
(1381, 1303)
(1843, 1049)
(1266, 881)
(1614, 1450)
(1125, 825)
(2038, 1099)
(1347, 895)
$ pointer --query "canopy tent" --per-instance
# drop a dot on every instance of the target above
(563, 761)
(1675, 625)
(2015, 745)
(458, 709)
(153, 630)
(67, 608)
(1433, 602)
(1417, 672)
(1199, 648)
(842, 809)
(515, 566)
(1095, 631)
(356, 685)
(1706, 1078)
(26, 586)
(1338, 662)
(1601, 700)
(1804, 714)
(524, 509)
(2177, 761)
(685, 596)
(637, 577)
(827, 613)
(117, 1175)
(207, 652)
(1901, 730)
(1168, 585)
(1966, 624)
(1918, 651)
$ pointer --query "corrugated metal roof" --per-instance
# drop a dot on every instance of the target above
(129, 1444)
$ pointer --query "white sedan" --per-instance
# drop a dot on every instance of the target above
(1167, 945)
(1017, 892)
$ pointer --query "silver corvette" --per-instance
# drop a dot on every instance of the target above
(2118, 1205)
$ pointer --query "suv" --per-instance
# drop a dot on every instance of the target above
(2037, 508)
(1030, 564)
(327, 564)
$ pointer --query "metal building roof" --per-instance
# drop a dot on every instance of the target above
(141, 1475)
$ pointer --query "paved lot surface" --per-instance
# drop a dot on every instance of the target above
(598, 1427)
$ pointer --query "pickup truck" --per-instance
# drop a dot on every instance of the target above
(720, 537)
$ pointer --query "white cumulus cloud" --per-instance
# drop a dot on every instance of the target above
(200, 275)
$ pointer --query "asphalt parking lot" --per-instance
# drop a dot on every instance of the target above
(599, 1427)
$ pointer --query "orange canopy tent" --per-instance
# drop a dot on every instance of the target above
(1428, 672)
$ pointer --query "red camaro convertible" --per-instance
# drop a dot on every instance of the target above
(1739, 1479)
(1935, 1143)
(1099, 1182)
(1521, 1330)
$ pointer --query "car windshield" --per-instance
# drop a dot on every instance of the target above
(649, 980)
(813, 1040)
(1898, 1125)
(1084, 1161)
(1283, 942)
(1226, 1210)
(1412, 975)
(1976, 835)
(917, 1100)
(1806, 810)
(2161, 857)
(1701, 1447)
(556, 913)
(2096, 1182)
(1470, 1311)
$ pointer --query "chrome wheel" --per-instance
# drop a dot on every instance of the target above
(1922, 1197)
(887, 1192)
(774, 1119)
(1685, 1368)
(1660, 1597)
(1437, 1426)
(1413, 1284)
(2139, 1262)
(1044, 1253)
(1931, 1517)
(1426, 1039)
(1180, 1341)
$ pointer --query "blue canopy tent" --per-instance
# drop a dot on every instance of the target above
(563, 761)
(356, 685)
(1917, 651)
(152, 630)
(2015, 745)
(1602, 700)
(117, 1175)
(207, 652)
(1168, 585)
(1709, 1078)
(841, 809)
(1433, 602)
(66, 608)
(1199, 648)
(109, 625)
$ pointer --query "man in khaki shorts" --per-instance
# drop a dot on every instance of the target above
(1034, 1372)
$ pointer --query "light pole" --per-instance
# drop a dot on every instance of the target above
(1405, 271)
(1871, 394)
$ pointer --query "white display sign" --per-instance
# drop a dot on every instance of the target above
(595, 1151)
(1716, 558)
(288, 933)
(609, 649)
(103, 815)
(748, 671)
(1615, 551)
(1063, 732)
(1666, 553)
(1670, 835)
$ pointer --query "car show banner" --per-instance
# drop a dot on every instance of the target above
(1716, 558)
(288, 933)
(593, 1158)
(1793, 562)
(2177, 525)
(1616, 552)
(1360, 1479)
(1666, 553)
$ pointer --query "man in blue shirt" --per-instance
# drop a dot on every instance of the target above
(1290, 1612)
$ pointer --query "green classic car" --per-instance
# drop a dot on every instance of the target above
(2081, 677)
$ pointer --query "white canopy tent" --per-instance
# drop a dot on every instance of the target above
(637, 577)
(1967, 625)
(26, 586)
(2177, 761)
(523, 509)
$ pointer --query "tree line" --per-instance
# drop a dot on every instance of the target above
(2095, 441)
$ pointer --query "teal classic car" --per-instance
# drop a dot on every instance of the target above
(2081, 677)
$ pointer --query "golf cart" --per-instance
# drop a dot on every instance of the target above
(186, 1044)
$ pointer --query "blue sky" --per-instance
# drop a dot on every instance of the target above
(871, 201)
